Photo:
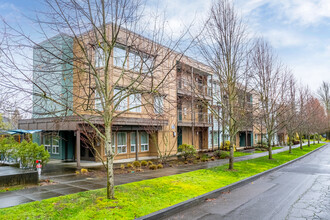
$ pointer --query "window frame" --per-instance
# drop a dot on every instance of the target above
(158, 109)
(131, 142)
(143, 144)
(99, 57)
(122, 146)
(123, 105)
(137, 106)
(123, 63)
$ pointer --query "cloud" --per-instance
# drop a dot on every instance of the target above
(305, 13)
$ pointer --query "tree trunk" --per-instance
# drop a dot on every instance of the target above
(110, 158)
(270, 152)
(314, 139)
(231, 156)
(290, 145)
(110, 178)
(309, 140)
(300, 140)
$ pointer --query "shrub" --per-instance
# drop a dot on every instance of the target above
(8, 147)
(153, 167)
(122, 166)
(227, 146)
(195, 162)
(160, 166)
(221, 154)
(186, 162)
(29, 152)
(187, 151)
(144, 163)
(136, 164)
(129, 165)
(212, 158)
(84, 170)
(150, 163)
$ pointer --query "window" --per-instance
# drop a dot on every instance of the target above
(133, 141)
(147, 65)
(122, 142)
(158, 104)
(98, 102)
(215, 137)
(119, 56)
(55, 145)
(99, 57)
(135, 102)
(119, 96)
(47, 143)
(144, 142)
(51, 143)
(134, 62)
(48, 148)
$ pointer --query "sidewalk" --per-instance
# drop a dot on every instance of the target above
(71, 183)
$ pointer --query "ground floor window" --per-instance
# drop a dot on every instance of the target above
(133, 141)
(144, 141)
(51, 141)
(121, 142)
(48, 148)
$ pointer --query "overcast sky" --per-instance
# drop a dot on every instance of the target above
(299, 30)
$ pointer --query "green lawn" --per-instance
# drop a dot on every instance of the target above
(144, 197)
(240, 154)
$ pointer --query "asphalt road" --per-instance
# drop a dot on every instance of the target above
(298, 191)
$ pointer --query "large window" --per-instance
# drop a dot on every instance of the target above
(133, 141)
(158, 104)
(119, 57)
(51, 143)
(120, 99)
(99, 57)
(121, 142)
(144, 141)
(135, 102)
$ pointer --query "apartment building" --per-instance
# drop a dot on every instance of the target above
(176, 114)
(146, 124)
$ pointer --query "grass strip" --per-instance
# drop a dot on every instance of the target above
(141, 198)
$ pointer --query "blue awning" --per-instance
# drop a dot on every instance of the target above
(20, 131)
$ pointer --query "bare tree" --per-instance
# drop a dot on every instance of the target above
(324, 94)
(224, 46)
(304, 96)
(270, 85)
(96, 65)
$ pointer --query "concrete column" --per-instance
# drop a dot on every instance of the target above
(78, 148)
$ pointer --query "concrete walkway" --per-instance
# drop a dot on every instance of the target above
(72, 183)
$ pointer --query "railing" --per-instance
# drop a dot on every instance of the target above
(198, 88)
(196, 117)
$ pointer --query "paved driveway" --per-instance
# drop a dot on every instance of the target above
(298, 191)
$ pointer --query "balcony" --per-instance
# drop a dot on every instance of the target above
(198, 119)
(199, 90)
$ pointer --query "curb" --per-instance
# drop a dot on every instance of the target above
(169, 211)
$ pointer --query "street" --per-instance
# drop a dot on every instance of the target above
(298, 191)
